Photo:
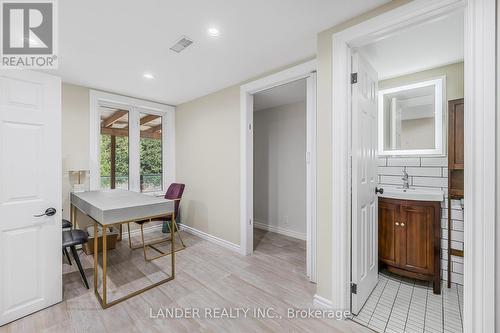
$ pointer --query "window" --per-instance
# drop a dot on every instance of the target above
(114, 147)
(151, 153)
(131, 144)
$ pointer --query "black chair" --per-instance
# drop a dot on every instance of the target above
(71, 238)
(66, 225)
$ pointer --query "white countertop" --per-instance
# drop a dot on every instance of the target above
(412, 194)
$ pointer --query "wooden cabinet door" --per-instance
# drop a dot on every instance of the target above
(388, 240)
(456, 134)
(417, 237)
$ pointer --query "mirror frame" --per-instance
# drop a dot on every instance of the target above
(439, 84)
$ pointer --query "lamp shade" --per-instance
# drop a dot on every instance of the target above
(76, 163)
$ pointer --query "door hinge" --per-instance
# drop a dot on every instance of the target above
(354, 78)
(354, 288)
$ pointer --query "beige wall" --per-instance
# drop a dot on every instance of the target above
(324, 147)
(208, 162)
(454, 79)
(207, 145)
(75, 136)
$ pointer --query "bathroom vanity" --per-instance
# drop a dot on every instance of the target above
(409, 233)
(412, 129)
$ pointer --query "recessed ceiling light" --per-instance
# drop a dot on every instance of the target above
(213, 32)
(148, 76)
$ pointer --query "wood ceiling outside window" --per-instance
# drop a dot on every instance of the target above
(116, 124)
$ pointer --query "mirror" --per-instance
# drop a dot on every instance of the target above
(411, 119)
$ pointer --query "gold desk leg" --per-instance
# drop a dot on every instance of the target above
(172, 241)
(120, 230)
(96, 263)
(104, 265)
(143, 243)
(103, 300)
(129, 238)
(72, 214)
(178, 233)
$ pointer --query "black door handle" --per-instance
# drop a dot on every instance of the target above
(379, 190)
(49, 212)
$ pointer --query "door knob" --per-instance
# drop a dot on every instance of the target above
(379, 190)
(48, 212)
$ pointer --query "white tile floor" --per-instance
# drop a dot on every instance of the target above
(400, 304)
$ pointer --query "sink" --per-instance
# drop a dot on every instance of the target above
(412, 194)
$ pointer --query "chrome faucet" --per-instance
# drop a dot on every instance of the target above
(406, 185)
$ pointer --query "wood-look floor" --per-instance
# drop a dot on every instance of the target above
(207, 276)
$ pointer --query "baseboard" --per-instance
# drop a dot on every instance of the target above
(322, 302)
(278, 230)
(210, 238)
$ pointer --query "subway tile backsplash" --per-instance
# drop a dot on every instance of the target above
(403, 161)
(434, 161)
(430, 172)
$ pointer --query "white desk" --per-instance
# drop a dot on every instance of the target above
(109, 207)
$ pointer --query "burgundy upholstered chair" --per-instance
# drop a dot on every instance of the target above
(174, 192)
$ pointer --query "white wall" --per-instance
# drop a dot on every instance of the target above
(280, 169)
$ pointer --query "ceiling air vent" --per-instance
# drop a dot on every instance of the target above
(181, 44)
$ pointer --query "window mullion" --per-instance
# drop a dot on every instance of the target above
(134, 151)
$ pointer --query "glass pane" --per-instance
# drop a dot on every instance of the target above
(114, 149)
(151, 153)
(409, 119)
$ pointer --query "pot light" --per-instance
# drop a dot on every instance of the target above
(148, 76)
(213, 32)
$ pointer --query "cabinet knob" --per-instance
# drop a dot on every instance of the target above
(402, 224)
(397, 223)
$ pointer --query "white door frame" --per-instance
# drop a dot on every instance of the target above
(304, 70)
(480, 153)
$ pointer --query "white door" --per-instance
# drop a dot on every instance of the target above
(364, 181)
(30, 183)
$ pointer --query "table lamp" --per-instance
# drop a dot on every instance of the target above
(78, 170)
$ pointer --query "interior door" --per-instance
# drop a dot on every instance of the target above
(364, 273)
(30, 183)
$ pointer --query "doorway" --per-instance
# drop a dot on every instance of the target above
(305, 72)
(418, 72)
(280, 172)
(479, 102)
